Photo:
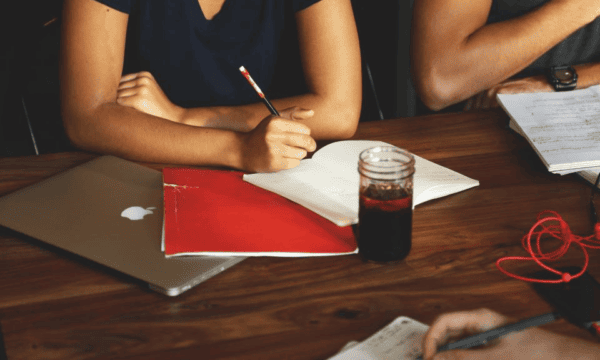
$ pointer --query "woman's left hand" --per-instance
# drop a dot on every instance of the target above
(487, 98)
(141, 92)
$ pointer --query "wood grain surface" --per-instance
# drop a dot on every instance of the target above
(54, 305)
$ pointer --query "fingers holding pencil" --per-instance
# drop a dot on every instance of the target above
(276, 144)
(280, 141)
(297, 134)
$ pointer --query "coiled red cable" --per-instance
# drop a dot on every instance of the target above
(552, 224)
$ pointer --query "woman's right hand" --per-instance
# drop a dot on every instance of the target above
(278, 143)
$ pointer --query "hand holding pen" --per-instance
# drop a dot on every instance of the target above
(504, 340)
(279, 141)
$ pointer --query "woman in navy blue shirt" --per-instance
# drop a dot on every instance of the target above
(159, 81)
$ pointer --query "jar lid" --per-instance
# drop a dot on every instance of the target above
(386, 163)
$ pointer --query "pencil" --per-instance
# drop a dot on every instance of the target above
(487, 336)
(258, 91)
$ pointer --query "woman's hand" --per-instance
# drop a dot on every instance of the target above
(487, 99)
(141, 92)
(278, 143)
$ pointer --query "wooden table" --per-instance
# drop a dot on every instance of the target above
(56, 306)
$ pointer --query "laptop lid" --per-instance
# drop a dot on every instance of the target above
(110, 211)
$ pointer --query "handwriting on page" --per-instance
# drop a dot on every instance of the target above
(563, 127)
(399, 340)
(579, 117)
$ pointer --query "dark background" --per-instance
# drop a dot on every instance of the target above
(28, 73)
(29, 57)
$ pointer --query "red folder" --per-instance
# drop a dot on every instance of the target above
(211, 212)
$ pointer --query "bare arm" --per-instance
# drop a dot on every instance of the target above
(331, 61)
(455, 55)
(92, 54)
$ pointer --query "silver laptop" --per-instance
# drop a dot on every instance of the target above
(108, 210)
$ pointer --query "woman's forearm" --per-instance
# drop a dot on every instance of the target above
(128, 133)
(332, 119)
(276, 143)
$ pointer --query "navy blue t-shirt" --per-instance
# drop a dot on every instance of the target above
(196, 61)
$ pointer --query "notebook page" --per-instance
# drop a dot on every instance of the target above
(399, 340)
(313, 186)
(563, 127)
(328, 183)
(431, 181)
(589, 174)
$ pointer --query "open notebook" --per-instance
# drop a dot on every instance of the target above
(328, 183)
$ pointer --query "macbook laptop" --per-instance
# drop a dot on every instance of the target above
(110, 211)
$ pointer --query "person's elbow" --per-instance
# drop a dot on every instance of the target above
(436, 90)
(77, 124)
(346, 117)
(72, 124)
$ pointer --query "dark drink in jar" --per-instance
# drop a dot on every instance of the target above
(385, 204)
(385, 219)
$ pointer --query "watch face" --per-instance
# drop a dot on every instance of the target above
(565, 76)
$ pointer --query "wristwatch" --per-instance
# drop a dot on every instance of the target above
(563, 78)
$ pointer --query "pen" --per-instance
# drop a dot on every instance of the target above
(487, 336)
(258, 91)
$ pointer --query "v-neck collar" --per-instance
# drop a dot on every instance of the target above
(217, 15)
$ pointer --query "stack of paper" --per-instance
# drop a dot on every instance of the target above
(562, 127)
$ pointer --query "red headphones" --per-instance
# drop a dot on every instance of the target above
(552, 224)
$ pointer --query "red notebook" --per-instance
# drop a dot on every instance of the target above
(210, 212)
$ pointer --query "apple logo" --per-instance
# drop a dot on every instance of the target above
(136, 212)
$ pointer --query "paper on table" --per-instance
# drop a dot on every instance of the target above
(562, 127)
(328, 183)
(431, 180)
(349, 346)
(400, 340)
(589, 174)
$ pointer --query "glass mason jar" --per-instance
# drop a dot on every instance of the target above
(385, 203)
